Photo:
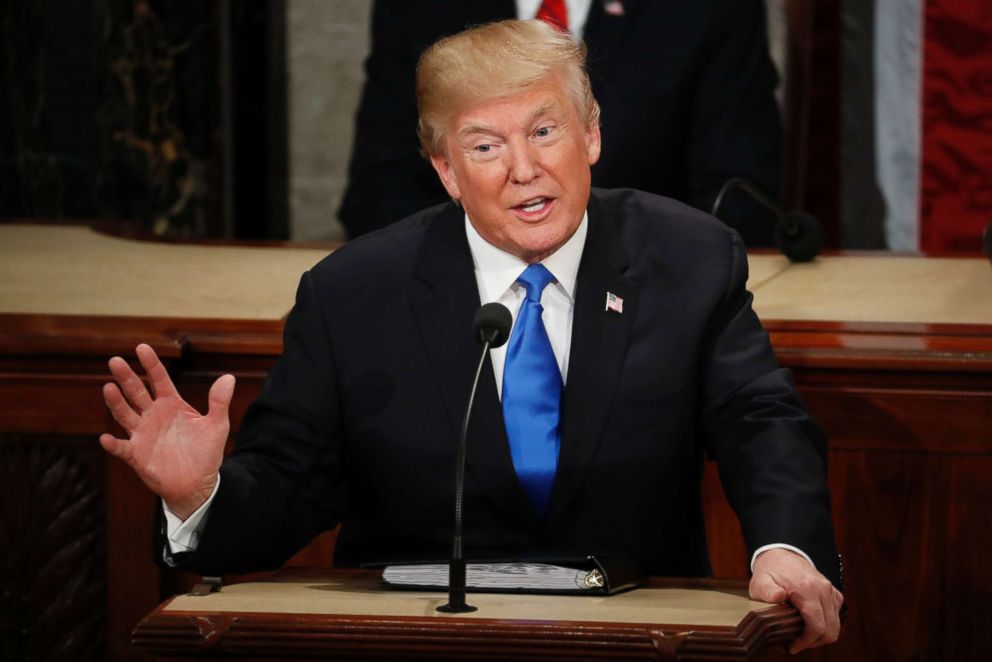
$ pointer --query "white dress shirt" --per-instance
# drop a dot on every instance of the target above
(496, 273)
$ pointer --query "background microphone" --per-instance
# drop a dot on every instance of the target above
(797, 233)
(491, 327)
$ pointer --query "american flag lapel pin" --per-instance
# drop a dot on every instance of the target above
(614, 303)
(613, 8)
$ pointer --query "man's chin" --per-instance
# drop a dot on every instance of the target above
(536, 246)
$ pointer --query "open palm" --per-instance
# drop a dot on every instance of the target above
(175, 450)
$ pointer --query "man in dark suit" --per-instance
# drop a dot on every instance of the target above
(686, 89)
(643, 316)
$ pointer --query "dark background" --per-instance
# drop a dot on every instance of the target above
(170, 115)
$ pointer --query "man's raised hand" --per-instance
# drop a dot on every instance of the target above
(175, 450)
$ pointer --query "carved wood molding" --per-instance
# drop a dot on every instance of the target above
(176, 633)
(51, 525)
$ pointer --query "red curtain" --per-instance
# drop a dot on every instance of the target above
(956, 172)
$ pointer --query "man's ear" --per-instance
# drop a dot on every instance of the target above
(593, 143)
(442, 166)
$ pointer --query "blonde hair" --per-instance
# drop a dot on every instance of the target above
(492, 61)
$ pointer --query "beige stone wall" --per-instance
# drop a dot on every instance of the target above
(326, 45)
(777, 27)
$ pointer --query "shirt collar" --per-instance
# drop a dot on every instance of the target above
(496, 270)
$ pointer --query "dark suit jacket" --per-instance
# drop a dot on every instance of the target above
(359, 418)
(686, 89)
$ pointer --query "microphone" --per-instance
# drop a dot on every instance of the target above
(492, 324)
(797, 233)
(491, 327)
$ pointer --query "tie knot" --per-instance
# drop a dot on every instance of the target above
(535, 278)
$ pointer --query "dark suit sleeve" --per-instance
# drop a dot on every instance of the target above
(388, 179)
(734, 127)
(283, 483)
(772, 455)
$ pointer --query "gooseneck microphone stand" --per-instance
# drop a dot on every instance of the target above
(797, 233)
(492, 327)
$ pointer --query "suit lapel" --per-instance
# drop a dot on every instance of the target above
(599, 343)
(444, 303)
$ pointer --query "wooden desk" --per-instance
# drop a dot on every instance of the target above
(892, 354)
(346, 615)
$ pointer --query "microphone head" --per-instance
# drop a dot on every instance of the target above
(799, 236)
(492, 324)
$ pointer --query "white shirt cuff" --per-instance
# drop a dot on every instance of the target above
(184, 536)
(765, 548)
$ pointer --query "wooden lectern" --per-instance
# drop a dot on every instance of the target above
(345, 614)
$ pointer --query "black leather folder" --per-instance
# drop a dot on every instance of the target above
(543, 573)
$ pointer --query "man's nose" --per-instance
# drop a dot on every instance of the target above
(523, 165)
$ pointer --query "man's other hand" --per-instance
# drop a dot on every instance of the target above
(781, 575)
(175, 450)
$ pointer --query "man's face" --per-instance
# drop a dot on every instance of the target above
(520, 167)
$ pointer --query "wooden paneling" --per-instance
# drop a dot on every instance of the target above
(892, 573)
(51, 557)
(908, 413)
(51, 413)
(966, 576)
(911, 445)
(132, 576)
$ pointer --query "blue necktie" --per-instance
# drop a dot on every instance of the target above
(532, 394)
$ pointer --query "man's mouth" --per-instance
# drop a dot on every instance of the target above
(534, 205)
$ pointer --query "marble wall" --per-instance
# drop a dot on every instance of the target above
(326, 45)
(108, 110)
(777, 33)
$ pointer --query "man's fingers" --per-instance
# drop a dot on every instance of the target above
(764, 588)
(119, 448)
(781, 574)
(814, 624)
(832, 632)
(820, 618)
(158, 376)
(219, 398)
(119, 408)
(132, 386)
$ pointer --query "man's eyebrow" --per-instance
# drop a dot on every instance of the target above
(475, 128)
(547, 108)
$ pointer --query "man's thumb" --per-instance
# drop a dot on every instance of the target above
(119, 448)
(219, 398)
